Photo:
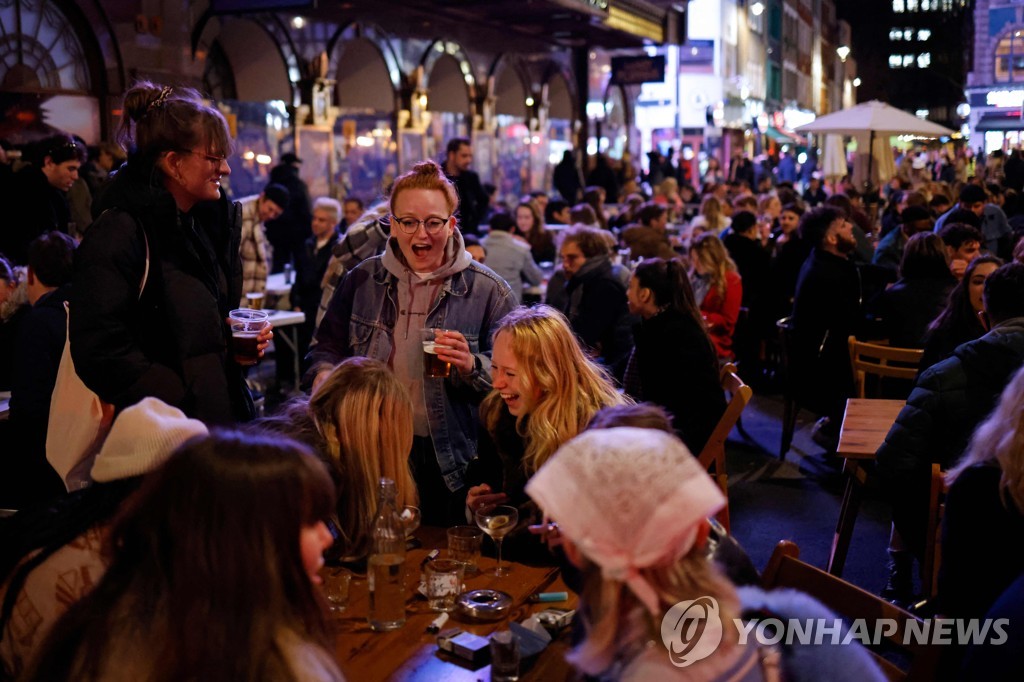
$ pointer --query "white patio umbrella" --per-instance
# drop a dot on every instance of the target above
(877, 120)
(833, 165)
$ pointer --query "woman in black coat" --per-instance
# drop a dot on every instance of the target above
(159, 270)
(909, 306)
(674, 363)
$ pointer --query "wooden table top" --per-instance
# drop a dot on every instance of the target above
(865, 424)
(410, 653)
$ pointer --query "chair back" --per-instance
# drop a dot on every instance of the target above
(712, 457)
(785, 569)
(933, 538)
(882, 361)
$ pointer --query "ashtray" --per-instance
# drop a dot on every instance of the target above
(484, 604)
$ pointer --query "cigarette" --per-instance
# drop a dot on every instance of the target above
(436, 624)
(434, 553)
(549, 597)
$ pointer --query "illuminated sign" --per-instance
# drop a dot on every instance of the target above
(1005, 98)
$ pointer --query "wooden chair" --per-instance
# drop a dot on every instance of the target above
(791, 408)
(785, 569)
(933, 538)
(881, 361)
(712, 457)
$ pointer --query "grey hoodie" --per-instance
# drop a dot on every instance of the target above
(417, 294)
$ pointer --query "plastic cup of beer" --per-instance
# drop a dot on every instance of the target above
(254, 299)
(464, 546)
(246, 325)
(444, 583)
(433, 366)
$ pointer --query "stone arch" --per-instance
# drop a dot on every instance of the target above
(371, 36)
(561, 98)
(510, 88)
(364, 79)
(447, 87)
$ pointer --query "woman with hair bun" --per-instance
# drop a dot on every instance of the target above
(159, 270)
(674, 363)
(424, 280)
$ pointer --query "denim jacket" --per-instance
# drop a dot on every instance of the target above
(361, 321)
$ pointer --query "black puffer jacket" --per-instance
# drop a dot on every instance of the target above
(172, 342)
(947, 404)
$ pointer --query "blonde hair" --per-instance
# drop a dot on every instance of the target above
(708, 248)
(999, 441)
(364, 415)
(425, 175)
(711, 209)
(617, 622)
(550, 361)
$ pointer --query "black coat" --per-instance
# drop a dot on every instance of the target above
(909, 306)
(311, 265)
(826, 312)
(567, 181)
(288, 232)
(947, 404)
(473, 201)
(678, 369)
(172, 342)
(37, 353)
(599, 314)
(33, 206)
(754, 263)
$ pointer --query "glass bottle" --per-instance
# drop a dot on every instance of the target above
(386, 565)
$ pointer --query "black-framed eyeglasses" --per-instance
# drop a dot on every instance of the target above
(411, 225)
(215, 160)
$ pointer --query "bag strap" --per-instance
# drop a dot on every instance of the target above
(145, 240)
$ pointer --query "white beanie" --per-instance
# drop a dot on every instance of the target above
(141, 438)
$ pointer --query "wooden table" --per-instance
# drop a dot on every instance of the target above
(410, 653)
(865, 426)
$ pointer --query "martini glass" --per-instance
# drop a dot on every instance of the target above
(498, 522)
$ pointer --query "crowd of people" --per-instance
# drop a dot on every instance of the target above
(637, 301)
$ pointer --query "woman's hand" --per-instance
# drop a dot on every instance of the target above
(480, 497)
(452, 347)
(264, 337)
(548, 532)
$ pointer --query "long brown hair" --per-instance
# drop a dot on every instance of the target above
(708, 248)
(206, 574)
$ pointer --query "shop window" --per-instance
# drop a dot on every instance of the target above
(1009, 57)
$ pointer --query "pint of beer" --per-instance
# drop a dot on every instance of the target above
(433, 366)
(255, 300)
(246, 325)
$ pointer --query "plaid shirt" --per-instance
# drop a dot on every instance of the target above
(255, 251)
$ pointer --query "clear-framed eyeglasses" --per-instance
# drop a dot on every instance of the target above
(411, 225)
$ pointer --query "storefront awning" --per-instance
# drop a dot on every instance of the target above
(1000, 121)
(785, 137)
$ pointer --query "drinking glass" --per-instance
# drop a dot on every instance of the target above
(336, 582)
(498, 522)
(411, 517)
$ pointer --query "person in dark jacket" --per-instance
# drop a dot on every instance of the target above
(948, 402)
(157, 275)
(567, 179)
(473, 200)
(909, 306)
(790, 253)
(36, 197)
(595, 300)
(37, 352)
(603, 176)
(289, 231)
(674, 364)
(311, 264)
(826, 311)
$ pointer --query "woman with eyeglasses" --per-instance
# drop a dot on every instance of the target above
(424, 280)
(159, 270)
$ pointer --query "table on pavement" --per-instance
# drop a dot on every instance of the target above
(286, 328)
(866, 422)
(411, 653)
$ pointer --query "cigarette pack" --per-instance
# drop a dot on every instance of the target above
(465, 645)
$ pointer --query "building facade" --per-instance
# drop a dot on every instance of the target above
(995, 85)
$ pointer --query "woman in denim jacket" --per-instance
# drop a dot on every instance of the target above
(424, 280)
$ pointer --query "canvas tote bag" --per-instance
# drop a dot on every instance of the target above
(79, 420)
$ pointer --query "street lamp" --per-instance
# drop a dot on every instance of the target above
(856, 82)
(843, 51)
(757, 9)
